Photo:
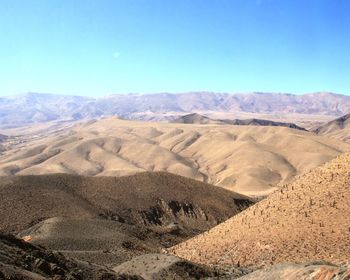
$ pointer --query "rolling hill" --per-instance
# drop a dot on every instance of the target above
(338, 128)
(195, 118)
(247, 159)
(305, 220)
(120, 217)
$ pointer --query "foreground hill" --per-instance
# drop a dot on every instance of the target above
(338, 128)
(120, 217)
(21, 260)
(38, 107)
(306, 220)
(308, 271)
(245, 159)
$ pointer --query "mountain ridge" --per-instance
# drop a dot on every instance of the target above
(40, 107)
(196, 118)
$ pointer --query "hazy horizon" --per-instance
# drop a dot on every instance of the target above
(97, 48)
(167, 92)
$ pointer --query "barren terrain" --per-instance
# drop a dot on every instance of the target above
(307, 219)
(305, 110)
(247, 159)
(338, 128)
(108, 220)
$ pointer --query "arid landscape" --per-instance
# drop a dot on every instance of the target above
(246, 159)
(174, 140)
(195, 197)
(306, 219)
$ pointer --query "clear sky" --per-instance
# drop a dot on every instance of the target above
(101, 47)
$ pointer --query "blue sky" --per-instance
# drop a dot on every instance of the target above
(101, 47)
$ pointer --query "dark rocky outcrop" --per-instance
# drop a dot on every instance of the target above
(22, 260)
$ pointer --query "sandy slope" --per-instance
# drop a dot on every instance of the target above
(338, 128)
(249, 160)
(306, 220)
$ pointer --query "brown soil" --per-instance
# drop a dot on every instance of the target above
(305, 220)
(108, 220)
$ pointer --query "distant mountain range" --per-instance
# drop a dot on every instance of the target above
(38, 107)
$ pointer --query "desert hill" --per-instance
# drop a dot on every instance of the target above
(338, 128)
(245, 159)
(307, 219)
(261, 122)
(195, 118)
(120, 217)
(39, 107)
(150, 198)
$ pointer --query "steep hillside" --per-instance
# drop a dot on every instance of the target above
(245, 159)
(338, 128)
(306, 220)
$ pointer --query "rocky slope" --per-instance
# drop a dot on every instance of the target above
(309, 271)
(21, 260)
(154, 199)
(162, 266)
(305, 220)
(119, 217)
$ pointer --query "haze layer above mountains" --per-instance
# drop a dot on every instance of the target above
(35, 107)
